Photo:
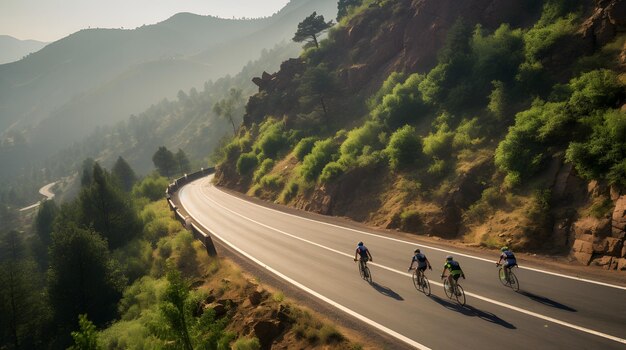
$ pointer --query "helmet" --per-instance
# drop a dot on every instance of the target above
(360, 244)
(504, 248)
(416, 251)
(449, 257)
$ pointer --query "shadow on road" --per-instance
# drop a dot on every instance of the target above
(547, 301)
(386, 291)
(468, 310)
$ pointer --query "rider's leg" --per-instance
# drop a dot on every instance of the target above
(450, 283)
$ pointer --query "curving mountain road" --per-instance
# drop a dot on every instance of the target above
(549, 312)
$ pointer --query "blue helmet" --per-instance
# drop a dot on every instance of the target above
(360, 244)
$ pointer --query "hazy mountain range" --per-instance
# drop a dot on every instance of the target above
(12, 49)
(100, 76)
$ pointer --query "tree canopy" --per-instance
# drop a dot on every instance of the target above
(311, 27)
(165, 162)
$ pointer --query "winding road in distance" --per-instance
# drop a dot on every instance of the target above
(549, 312)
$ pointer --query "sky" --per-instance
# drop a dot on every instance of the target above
(50, 20)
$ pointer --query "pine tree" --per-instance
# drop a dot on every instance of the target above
(310, 28)
(164, 161)
(124, 174)
(184, 166)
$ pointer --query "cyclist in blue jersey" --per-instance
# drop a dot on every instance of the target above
(363, 252)
(422, 261)
(509, 260)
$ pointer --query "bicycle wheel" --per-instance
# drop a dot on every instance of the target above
(361, 270)
(367, 274)
(460, 295)
(425, 285)
(502, 277)
(446, 288)
(415, 280)
(513, 282)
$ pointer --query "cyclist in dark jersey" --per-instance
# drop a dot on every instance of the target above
(362, 251)
(422, 261)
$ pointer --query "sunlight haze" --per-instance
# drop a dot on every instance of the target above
(50, 20)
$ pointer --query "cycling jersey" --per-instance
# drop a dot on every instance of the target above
(509, 258)
(420, 258)
(362, 251)
(453, 267)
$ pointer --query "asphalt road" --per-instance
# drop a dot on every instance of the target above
(549, 312)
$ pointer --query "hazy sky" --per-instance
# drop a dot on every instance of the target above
(49, 20)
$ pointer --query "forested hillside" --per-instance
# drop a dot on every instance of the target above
(483, 121)
(98, 77)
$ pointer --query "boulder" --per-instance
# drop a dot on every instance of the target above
(621, 264)
(256, 297)
(614, 246)
(618, 219)
(595, 188)
(623, 255)
(583, 258)
(614, 191)
(591, 226)
(603, 261)
(267, 331)
(582, 246)
(219, 309)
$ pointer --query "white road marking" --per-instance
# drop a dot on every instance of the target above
(426, 246)
(489, 300)
(322, 297)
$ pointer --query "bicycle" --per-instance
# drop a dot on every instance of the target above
(511, 282)
(420, 281)
(456, 291)
(364, 271)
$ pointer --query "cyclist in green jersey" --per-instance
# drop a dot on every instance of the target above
(454, 270)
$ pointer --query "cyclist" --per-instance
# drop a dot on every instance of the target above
(422, 261)
(363, 252)
(454, 270)
(509, 260)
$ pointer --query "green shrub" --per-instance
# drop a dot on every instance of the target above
(360, 141)
(467, 134)
(438, 167)
(304, 147)
(403, 105)
(152, 187)
(290, 191)
(332, 171)
(265, 167)
(321, 154)
(603, 154)
(272, 182)
(246, 163)
(404, 147)
(246, 344)
(393, 80)
(272, 138)
(438, 144)
(597, 89)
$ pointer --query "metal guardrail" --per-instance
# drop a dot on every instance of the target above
(200, 233)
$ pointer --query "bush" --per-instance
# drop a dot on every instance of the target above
(246, 344)
(438, 167)
(404, 147)
(290, 191)
(597, 89)
(359, 141)
(271, 182)
(332, 171)
(410, 220)
(272, 138)
(403, 105)
(603, 154)
(304, 147)
(246, 163)
(152, 187)
(265, 167)
(321, 154)
(438, 144)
